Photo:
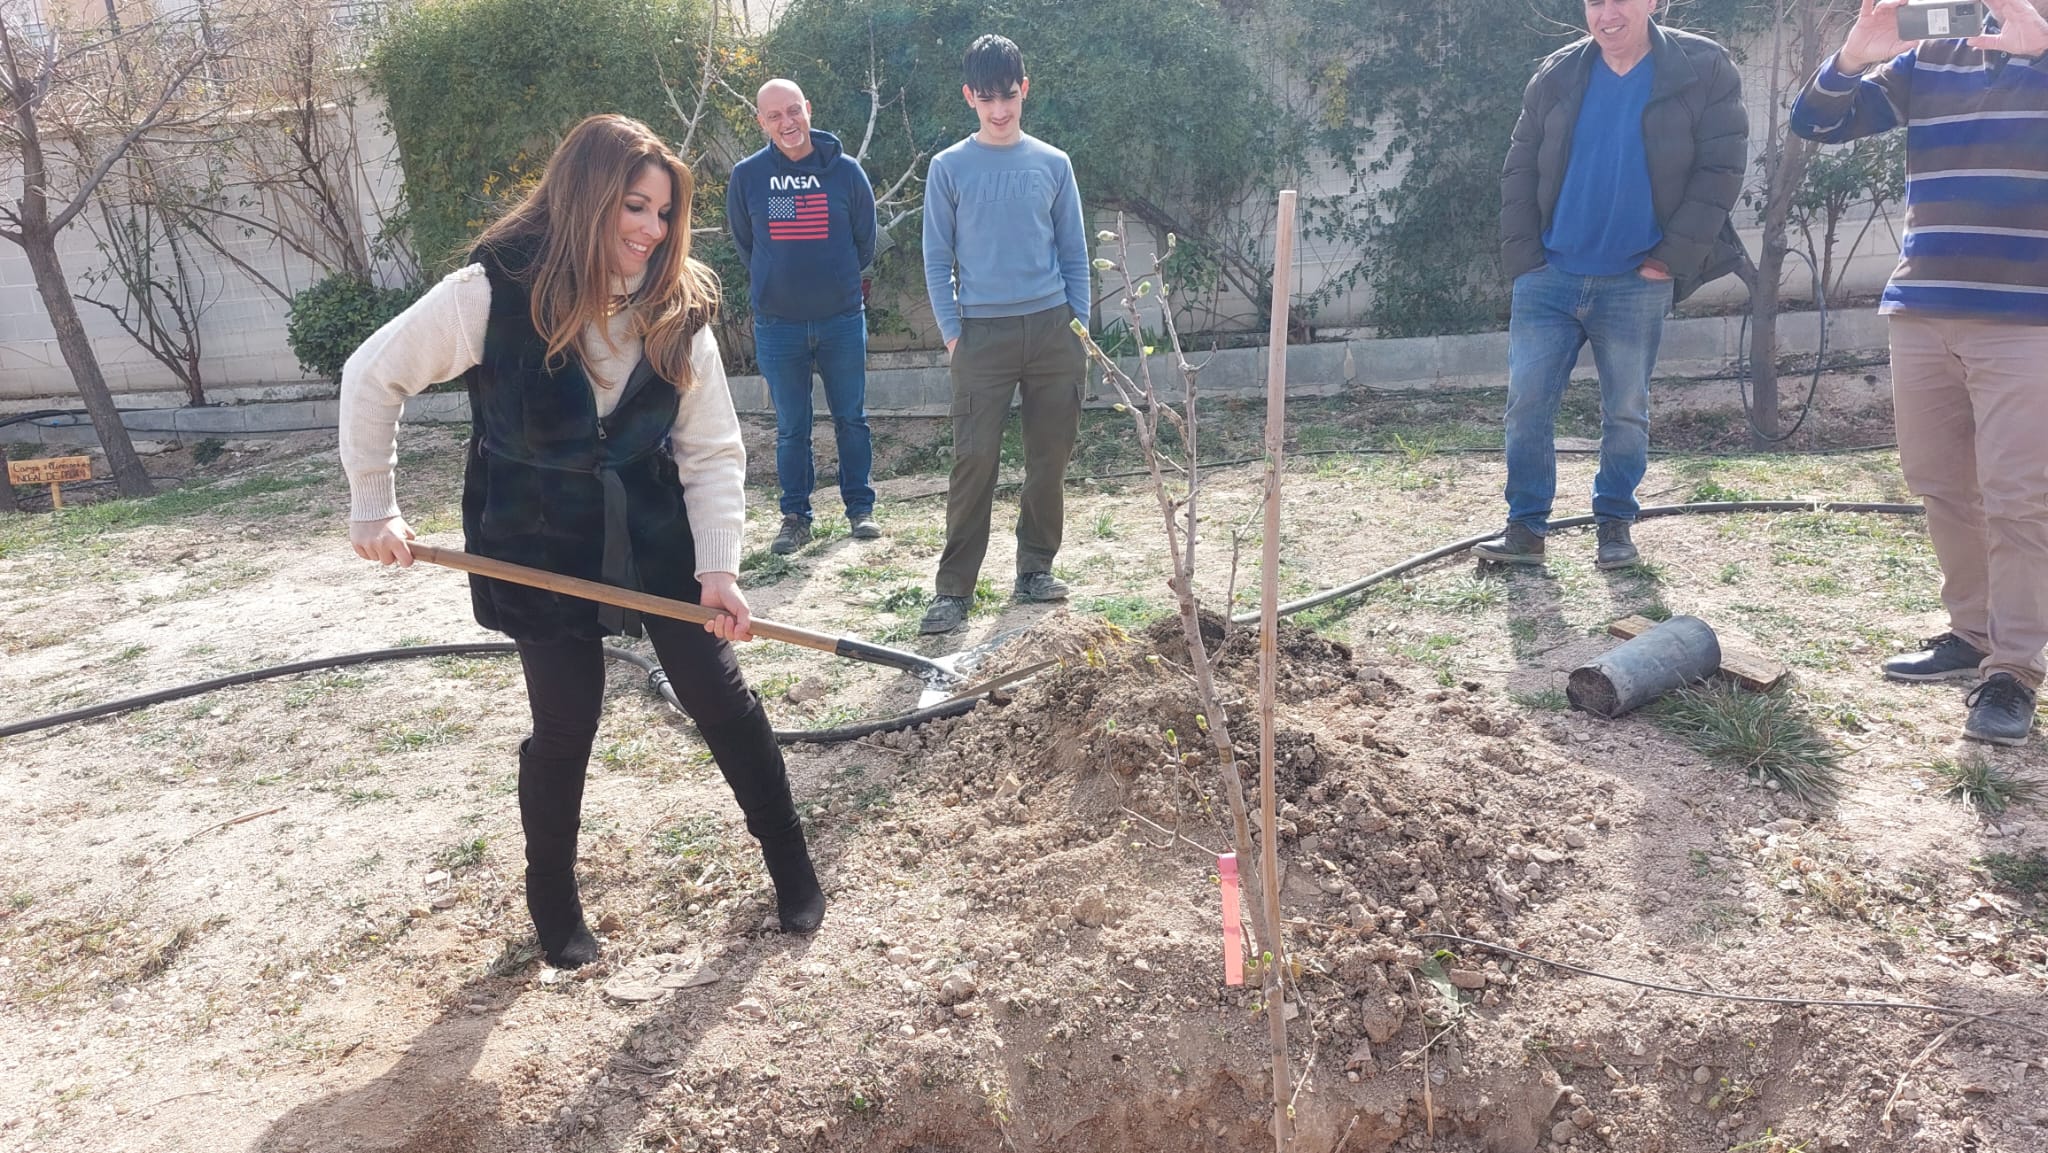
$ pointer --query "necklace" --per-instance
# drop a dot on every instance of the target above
(616, 305)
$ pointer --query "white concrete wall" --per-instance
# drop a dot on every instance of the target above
(242, 332)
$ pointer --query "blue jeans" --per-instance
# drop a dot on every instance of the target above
(838, 349)
(1555, 314)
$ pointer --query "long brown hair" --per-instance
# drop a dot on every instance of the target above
(571, 220)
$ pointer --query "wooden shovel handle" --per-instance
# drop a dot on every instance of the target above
(639, 602)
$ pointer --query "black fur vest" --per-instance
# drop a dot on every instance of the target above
(549, 485)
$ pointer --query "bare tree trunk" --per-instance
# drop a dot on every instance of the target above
(55, 290)
(1785, 157)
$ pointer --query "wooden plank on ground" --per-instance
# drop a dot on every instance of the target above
(1751, 670)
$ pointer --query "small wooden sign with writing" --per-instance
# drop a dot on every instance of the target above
(55, 471)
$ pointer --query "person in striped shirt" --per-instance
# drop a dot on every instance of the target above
(1968, 311)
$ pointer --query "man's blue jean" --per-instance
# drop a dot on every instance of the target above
(1555, 314)
(838, 349)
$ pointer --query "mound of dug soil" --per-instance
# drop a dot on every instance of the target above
(1054, 978)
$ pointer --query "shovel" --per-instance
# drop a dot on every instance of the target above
(944, 677)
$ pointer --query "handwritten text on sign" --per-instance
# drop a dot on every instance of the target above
(52, 470)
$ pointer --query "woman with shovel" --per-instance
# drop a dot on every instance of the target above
(603, 446)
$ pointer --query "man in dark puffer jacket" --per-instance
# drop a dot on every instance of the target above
(1628, 156)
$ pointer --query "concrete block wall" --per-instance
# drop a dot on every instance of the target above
(918, 384)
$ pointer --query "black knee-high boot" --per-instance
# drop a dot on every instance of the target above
(747, 754)
(551, 811)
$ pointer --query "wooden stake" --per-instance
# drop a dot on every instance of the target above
(56, 496)
(1269, 662)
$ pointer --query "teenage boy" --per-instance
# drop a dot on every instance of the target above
(803, 218)
(1006, 265)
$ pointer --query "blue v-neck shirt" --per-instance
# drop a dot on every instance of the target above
(1605, 222)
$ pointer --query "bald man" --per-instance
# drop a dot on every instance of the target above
(802, 215)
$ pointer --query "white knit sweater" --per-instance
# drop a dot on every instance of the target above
(441, 337)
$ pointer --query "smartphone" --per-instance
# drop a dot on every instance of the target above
(1941, 20)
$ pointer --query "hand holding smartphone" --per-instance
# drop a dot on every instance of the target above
(1941, 19)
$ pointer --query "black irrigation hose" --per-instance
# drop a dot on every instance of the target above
(657, 682)
(1655, 510)
(179, 692)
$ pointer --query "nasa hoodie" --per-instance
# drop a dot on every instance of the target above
(804, 228)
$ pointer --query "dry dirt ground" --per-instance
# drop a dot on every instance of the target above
(287, 916)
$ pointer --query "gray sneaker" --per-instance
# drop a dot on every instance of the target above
(2001, 711)
(1616, 550)
(1040, 586)
(795, 534)
(1518, 545)
(1947, 657)
(944, 615)
(863, 526)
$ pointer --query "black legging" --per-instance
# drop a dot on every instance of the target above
(565, 689)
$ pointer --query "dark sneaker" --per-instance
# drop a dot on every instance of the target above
(1518, 545)
(795, 534)
(1040, 586)
(1947, 657)
(864, 526)
(2001, 711)
(944, 615)
(1616, 550)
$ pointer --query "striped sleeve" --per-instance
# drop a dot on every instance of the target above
(1835, 108)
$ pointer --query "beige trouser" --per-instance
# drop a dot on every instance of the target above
(1970, 398)
(996, 358)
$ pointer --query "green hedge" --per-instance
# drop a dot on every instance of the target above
(330, 320)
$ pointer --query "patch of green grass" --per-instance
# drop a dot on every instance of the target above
(1105, 525)
(1464, 592)
(1770, 736)
(1731, 573)
(83, 522)
(898, 633)
(986, 598)
(693, 837)
(312, 689)
(763, 568)
(1714, 491)
(859, 576)
(209, 450)
(1647, 570)
(462, 854)
(18, 900)
(2026, 875)
(357, 795)
(1984, 784)
(621, 754)
(826, 529)
(1328, 617)
(1126, 611)
(773, 687)
(463, 668)
(923, 538)
(905, 598)
(413, 738)
(1548, 700)
(127, 654)
(1826, 584)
